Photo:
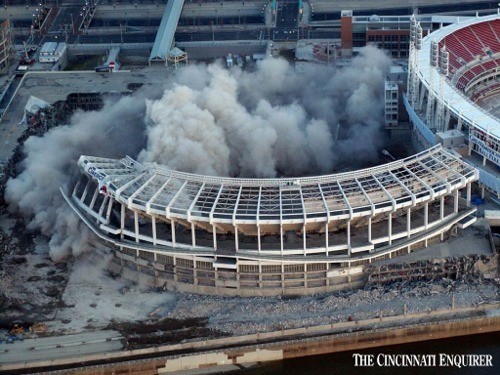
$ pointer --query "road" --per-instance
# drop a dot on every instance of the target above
(47, 348)
(286, 21)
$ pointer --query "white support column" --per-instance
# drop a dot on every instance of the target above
(103, 205)
(108, 211)
(369, 229)
(75, 189)
(136, 226)
(408, 222)
(304, 241)
(258, 239)
(193, 234)
(195, 275)
(389, 228)
(468, 194)
(326, 237)
(281, 239)
(85, 191)
(482, 191)
(349, 237)
(426, 215)
(236, 239)
(455, 203)
(214, 233)
(421, 97)
(153, 228)
(441, 208)
(484, 160)
(94, 198)
(172, 228)
(122, 219)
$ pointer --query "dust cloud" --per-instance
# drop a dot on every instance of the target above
(269, 122)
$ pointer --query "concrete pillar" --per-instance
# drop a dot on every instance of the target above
(326, 237)
(408, 222)
(258, 239)
(193, 235)
(214, 234)
(172, 228)
(304, 241)
(369, 229)
(441, 208)
(94, 198)
(469, 192)
(153, 229)
(122, 219)
(108, 211)
(426, 215)
(75, 189)
(482, 191)
(176, 276)
(424, 93)
(136, 226)
(455, 203)
(281, 239)
(103, 204)
(349, 237)
(447, 117)
(389, 228)
(85, 191)
(236, 239)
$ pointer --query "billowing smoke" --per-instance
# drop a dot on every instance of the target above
(210, 130)
(270, 122)
(49, 163)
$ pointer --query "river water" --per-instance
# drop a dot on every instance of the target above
(343, 363)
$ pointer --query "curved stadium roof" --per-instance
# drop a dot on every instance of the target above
(155, 189)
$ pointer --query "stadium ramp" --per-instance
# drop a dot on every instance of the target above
(166, 31)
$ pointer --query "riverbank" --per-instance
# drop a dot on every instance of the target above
(236, 352)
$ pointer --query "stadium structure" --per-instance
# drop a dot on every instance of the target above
(451, 71)
(236, 236)
(233, 236)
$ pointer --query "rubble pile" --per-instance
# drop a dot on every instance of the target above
(240, 316)
(470, 268)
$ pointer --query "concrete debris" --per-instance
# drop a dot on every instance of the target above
(468, 268)
(262, 314)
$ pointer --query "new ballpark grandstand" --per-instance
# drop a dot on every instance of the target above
(233, 236)
(453, 83)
